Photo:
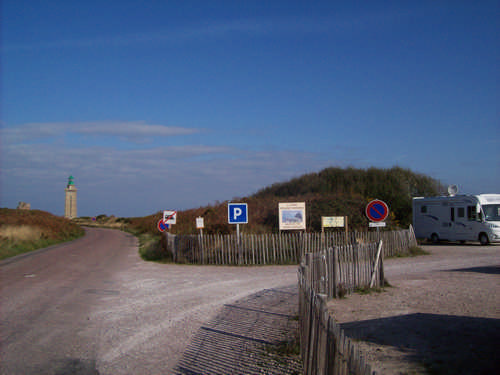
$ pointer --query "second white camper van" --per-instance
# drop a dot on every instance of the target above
(458, 218)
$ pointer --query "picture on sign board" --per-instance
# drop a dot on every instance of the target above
(292, 216)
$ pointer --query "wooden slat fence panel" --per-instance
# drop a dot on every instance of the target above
(286, 248)
(324, 347)
(340, 270)
(325, 350)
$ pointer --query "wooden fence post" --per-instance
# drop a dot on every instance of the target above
(376, 263)
(336, 271)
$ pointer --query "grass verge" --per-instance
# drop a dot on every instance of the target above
(23, 231)
(367, 290)
(10, 249)
(417, 251)
(413, 251)
(151, 248)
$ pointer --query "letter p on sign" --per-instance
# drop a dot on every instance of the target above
(237, 213)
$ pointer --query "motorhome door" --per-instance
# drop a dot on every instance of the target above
(460, 226)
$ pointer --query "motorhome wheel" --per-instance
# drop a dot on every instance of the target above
(483, 239)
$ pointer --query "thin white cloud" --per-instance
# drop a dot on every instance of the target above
(248, 27)
(135, 131)
(193, 175)
(131, 129)
(213, 30)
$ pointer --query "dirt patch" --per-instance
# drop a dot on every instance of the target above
(441, 315)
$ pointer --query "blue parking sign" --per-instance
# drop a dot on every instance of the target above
(237, 213)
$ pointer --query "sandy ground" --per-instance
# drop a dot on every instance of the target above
(441, 314)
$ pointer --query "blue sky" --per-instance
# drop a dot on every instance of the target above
(177, 104)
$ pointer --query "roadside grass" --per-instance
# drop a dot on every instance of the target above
(10, 249)
(152, 243)
(152, 248)
(22, 231)
(417, 251)
(364, 290)
(413, 251)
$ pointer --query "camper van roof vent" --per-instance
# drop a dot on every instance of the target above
(452, 190)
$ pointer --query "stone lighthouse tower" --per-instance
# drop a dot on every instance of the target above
(70, 201)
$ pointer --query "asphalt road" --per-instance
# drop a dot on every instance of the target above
(93, 306)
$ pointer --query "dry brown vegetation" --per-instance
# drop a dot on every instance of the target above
(102, 221)
(330, 192)
(26, 230)
(20, 232)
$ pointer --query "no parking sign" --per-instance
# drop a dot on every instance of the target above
(377, 210)
(162, 226)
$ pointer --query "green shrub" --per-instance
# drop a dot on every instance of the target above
(153, 248)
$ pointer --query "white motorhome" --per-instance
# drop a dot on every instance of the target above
(458, 218)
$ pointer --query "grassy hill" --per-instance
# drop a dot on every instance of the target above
(26, 230)
(330, 192)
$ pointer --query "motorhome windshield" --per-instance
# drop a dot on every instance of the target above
(491, 212)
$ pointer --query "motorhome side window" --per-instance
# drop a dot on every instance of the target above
(471, 213)
(461, 212)
(423, 209)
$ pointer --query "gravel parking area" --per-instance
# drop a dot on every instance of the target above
(441, 314)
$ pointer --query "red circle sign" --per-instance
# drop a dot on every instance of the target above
(377, 210)
(162, 226)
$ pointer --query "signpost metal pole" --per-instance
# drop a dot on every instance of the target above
(201, 247)
(200, 225)
(238, 214)
(240, 255)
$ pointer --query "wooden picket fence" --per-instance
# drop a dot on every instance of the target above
(325, 350)
(277, 248)
(338, 271)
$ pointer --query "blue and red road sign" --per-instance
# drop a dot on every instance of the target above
(162, 226)
(377, 210)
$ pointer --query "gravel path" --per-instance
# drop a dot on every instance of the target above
(441, 314)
